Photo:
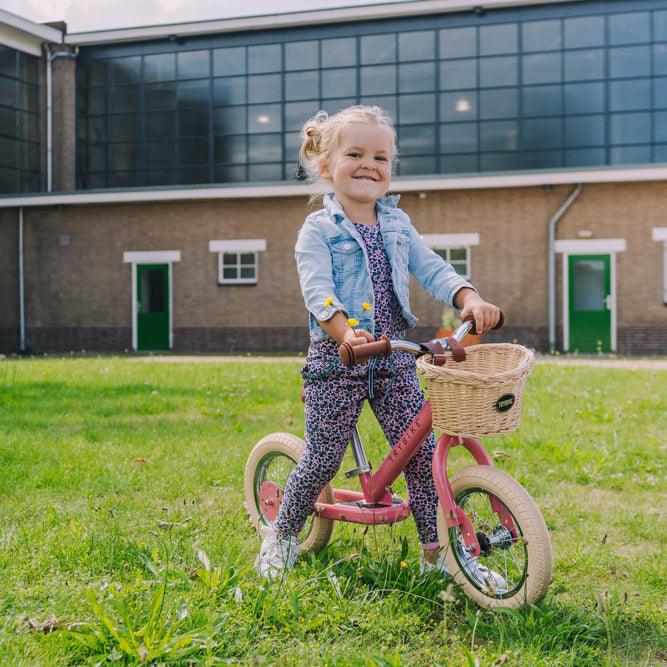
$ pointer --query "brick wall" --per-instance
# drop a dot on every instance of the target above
(79, 295)
(78, 339)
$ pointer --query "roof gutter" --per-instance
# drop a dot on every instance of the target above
(163, 194)
(40, 31)
(294, 19)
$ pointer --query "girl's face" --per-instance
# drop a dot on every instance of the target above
(360, 168)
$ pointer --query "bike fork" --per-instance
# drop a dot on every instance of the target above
(454, 515)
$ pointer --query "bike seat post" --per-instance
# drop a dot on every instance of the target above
(359, 455)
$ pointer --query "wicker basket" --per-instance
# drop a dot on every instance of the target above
(481, 395)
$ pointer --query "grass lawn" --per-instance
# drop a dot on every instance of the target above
(122, 527)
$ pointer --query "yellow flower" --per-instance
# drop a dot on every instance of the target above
(366, 306)
(352, 322)
(403, 564)
(328, 301)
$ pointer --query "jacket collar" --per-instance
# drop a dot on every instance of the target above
(335, 210)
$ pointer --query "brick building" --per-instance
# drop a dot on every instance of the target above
(151, 199)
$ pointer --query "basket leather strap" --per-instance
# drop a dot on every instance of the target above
(437, 352)
(458, 353)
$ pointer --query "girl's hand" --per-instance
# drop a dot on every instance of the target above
(486, 315)
(357, 337)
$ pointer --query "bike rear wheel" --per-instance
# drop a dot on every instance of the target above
(510, 571)
(269, 465)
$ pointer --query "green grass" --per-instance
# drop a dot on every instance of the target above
(121, 517)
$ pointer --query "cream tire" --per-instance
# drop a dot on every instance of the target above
(287, 445)
(527, 517)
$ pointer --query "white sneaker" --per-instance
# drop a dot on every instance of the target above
(439, 565)
(494, 582)
(276, 555)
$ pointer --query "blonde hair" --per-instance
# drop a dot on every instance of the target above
(321, 134)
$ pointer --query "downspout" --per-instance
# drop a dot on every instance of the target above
(50, 57)
(21, 286)
(552, 263)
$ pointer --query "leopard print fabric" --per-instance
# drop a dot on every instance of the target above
(334, 398)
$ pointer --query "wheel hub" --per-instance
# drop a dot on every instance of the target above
(485, 545)
(270, 497)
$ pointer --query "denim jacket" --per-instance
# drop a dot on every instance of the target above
(332, 261)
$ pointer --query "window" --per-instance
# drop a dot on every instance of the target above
(454, 249)
(238, 262)
(19, 122)
(551, 87)
(458, 258)
(237, 267)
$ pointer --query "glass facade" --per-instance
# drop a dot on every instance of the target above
(19, 122)
(539, 87)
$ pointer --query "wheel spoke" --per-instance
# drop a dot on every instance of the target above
(276, 468)
(511, 565)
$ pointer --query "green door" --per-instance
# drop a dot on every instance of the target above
(590, 303)
(152, 307)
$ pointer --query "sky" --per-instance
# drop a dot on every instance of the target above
(82, 15)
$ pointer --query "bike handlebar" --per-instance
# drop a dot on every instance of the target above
(352, 355)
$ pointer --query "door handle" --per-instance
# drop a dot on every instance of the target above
(607, 301)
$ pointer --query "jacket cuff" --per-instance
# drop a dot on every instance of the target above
(324, 313)
(454, 291)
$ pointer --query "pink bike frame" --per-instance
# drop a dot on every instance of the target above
(381, 507)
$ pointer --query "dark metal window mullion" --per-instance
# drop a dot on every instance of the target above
(439, 156)
(562, 92)
(478, 89)
(607, 112)
(519, 65)
(283, 102)
(357, 48)
(178, 166)
(18, 111)
(247, 113)
(652, 79)
(397, 93)
(143, 172)
(435, 153)
(40, 180)
(107, 153)
(211, 140)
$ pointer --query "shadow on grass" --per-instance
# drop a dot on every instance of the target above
(551, 628)
(607, 626)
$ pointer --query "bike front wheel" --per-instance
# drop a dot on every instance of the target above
(512, 570)
(269, 465)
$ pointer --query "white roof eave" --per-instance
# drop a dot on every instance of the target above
(291, 19)
(28, 30)
(399, 185)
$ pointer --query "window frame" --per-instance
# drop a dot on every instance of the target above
(448, 242)
(237, 247)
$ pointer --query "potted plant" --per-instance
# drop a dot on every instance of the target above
(449, 323)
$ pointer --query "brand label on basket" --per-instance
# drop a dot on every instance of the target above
(505, 402)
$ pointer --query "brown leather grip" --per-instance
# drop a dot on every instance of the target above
(351, 355)
(473, 331)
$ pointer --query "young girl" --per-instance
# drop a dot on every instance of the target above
(354, 258)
